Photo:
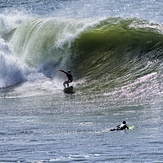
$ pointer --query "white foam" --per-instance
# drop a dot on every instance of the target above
(10, 70)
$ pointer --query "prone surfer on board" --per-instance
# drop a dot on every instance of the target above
(123, 126)
(69, 76)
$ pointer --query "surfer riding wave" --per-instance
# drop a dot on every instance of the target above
(69, 76)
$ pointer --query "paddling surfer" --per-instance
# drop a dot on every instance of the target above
(123, 126)
(69, 76)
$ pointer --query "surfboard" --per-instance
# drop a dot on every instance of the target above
(131, 127)
(69, 90)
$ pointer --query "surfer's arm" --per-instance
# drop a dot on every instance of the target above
(63, 71)
(118, 126)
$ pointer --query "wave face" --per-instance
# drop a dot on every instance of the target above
(45, 44)
(121, 56)
(110, 54)
(116, 45)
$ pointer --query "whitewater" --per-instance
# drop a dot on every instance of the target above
(114, 50)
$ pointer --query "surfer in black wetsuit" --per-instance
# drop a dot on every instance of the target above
(123, 126)
(69, 76)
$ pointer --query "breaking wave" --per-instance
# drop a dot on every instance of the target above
(111, 54)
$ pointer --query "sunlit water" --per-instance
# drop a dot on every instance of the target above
(63, 128)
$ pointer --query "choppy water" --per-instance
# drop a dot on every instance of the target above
(47, 129)
(114, 50)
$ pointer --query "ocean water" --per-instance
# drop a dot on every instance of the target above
(115, 52)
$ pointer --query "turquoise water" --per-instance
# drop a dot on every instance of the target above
(114, 50)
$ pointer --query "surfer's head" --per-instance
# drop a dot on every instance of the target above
(124, 122)
(69, 71)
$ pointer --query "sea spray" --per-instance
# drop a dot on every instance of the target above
(11, 72)
(45, 44)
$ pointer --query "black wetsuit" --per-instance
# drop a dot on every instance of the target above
(69, 76)
(120, 127)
